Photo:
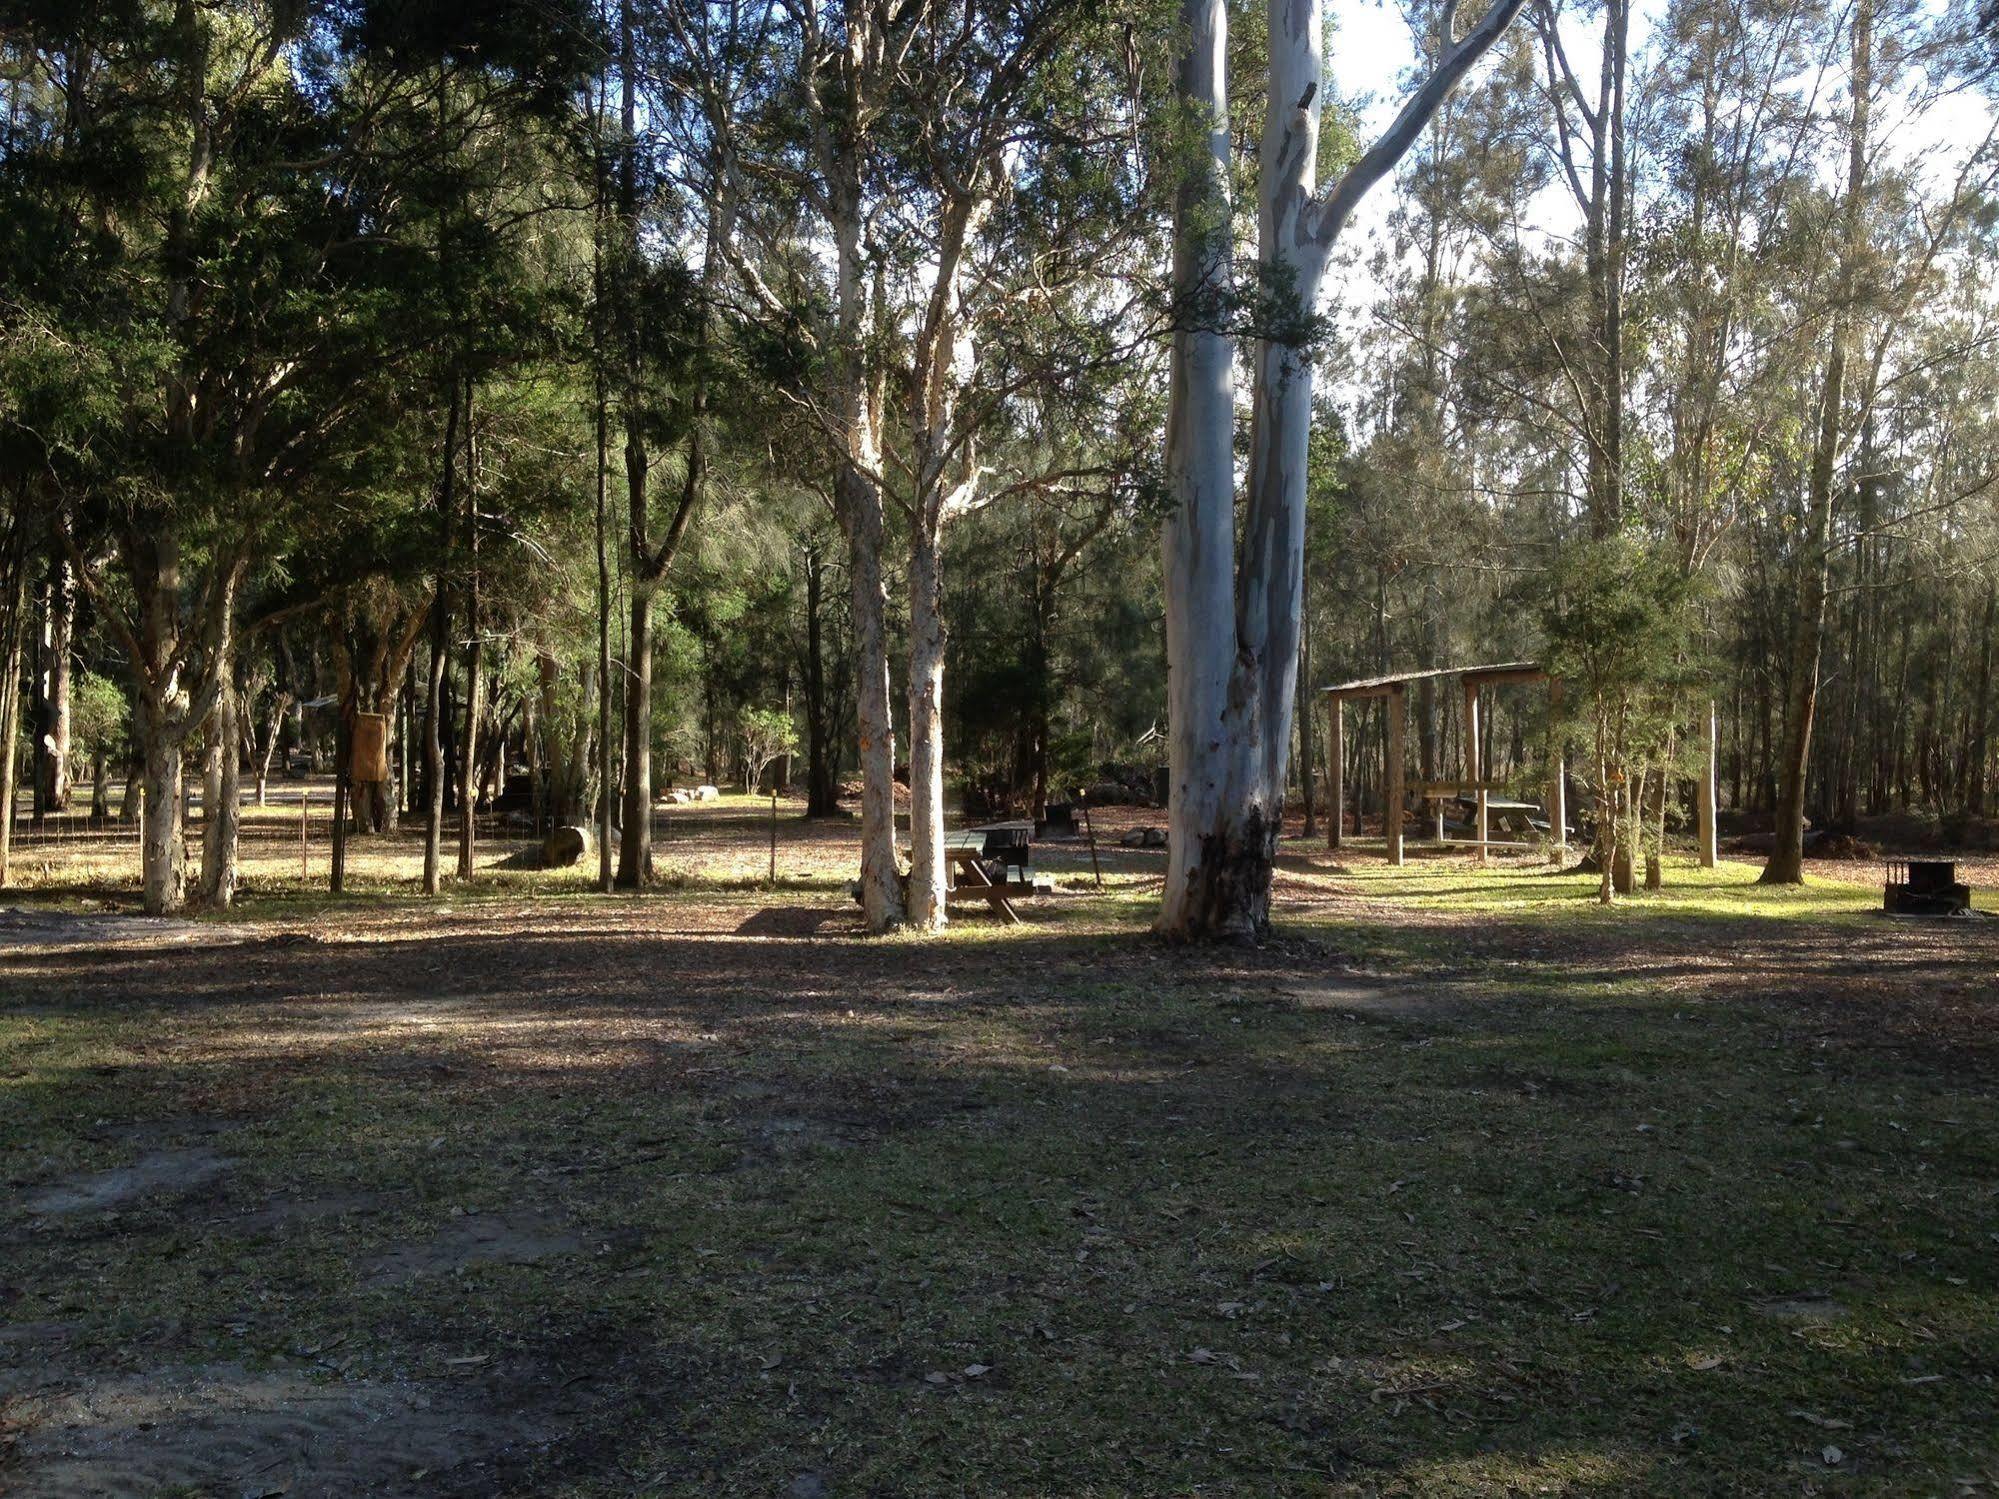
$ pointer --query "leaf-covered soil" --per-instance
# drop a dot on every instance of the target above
(1459, 1186)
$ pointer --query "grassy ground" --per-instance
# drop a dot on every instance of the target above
(1461, 1186)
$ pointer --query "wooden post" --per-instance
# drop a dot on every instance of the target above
(1336, 769)
(1475, 762)
(1558, 776)
(1436, 733)
(1391, 812)
(1704, 807)
(304, 811)
(773, 835)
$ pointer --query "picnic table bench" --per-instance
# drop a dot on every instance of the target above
(970, 850)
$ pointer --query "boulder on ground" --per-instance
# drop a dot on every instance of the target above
(566, 847)
(707, 793)
(1155, 837)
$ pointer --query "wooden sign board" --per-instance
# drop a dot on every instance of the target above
(369, 760)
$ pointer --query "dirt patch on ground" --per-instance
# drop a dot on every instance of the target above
(20, 928)
(228, 1430)
(283, 1213)
(156, 1173)
(1371, 1000)
(509, 1238)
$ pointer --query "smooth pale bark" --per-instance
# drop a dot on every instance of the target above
(928, 878)
(946, 475)
(1199, 535)
(880, 879)
(857, 491)
(1232, 633)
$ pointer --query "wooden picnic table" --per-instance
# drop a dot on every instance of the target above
(966, 852)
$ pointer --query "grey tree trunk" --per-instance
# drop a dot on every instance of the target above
(56, 676)
(1787, 854)
(222, 791)
(1232, 640)
(1199, 534)
(162, 852)
(928, 876)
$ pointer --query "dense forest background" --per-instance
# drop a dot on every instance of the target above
(453, 362)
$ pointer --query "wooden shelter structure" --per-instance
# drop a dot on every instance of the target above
(1393, 687)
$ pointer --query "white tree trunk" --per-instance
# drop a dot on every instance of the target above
(1243, 635)
(928, 878)
(1232, 642)
(881, 886)
(1199, 540)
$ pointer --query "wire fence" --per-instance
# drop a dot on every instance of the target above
(294, 817)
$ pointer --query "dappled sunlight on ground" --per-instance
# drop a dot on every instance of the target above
(1458, 1185)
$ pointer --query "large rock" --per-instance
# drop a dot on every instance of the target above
(566, 847)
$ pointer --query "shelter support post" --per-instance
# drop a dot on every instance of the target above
(1474, 763)
(1704, 801)
(1391, 812)
(1435, 730)
(1336, 769)
(1558, 774)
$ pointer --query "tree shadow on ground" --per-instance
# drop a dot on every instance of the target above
(773, 1196)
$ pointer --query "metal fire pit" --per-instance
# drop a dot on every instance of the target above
(1923, 887)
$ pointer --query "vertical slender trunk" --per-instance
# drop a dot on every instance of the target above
(15, 611)
(928, 878)
(635, 840)
(821, 800)
(440, 656)
(162, 850)
(1198, 536)
(221, 811)
(1978, 756)
(1311, 828)
(601, 423)
(1786, 866)
(881, 888)
(635, 834)
(468, 776)
(54, 742)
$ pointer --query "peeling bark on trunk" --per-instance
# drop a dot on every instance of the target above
(162, 852)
